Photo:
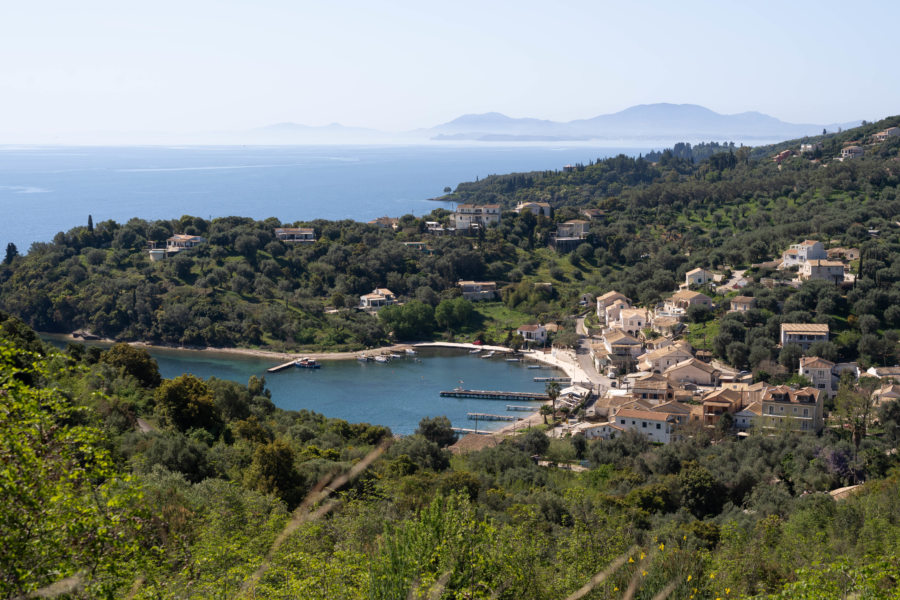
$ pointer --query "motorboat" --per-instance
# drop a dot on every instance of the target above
(410, 352)
(394, 355)
(363, 358)
(307, 363)
(382, 359)
(513, 360)
(489, 354)
(534, 366)
(475, 351)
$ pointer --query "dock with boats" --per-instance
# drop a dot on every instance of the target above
(491, 417)
(282, 367)
(495, 395)
(556, 379)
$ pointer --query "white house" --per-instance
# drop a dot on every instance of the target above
(180, 241)
(661, 359)
(698, 276)
(693, 371)
(608, 299)
(803, 334)
(598, 431)
(742, 303)
(535, 208)
(468, 216)
(681, 301)
(296, 235)
(851, 152)
(747, 417)
(478, 290)
(533, 334)
(656, 426)
(806, 250)
(886, 133)
(632, 320)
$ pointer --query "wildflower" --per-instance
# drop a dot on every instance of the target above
(631, 560)
(690, 577)
(727, 591)
(662, 546)
(712, 575)
(643, 555)
(643, 573)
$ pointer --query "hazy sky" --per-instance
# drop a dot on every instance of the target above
(197, 65)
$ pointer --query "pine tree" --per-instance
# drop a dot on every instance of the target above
(90, 224)
(11, 253)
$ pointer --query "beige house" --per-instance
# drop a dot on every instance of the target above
(796, 409)
(827, 270)
(296, 235)
(654, 388)
(535, 208)
(679, 411)
(750, 392)
(616, 350)
(747, 417)
(719, 402)
(379, 298)
(698, 276)
(569, 235)
(742, 303)
(886, 393)
(609, 299)
(478, 290)
(666, 326)
(681, 301)
(884, 134)
(386, 222)
(632, 320)
(473, 216)
(663, 358)
(612, 312)
(821, 373)
(693, 371)
(803, 334)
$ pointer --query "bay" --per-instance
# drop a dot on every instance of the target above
(397, 394)
(44, 190)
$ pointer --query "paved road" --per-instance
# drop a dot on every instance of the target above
(735, 277)
(583, 354)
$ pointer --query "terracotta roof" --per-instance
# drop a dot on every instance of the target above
(672, 408)
(819, 262)
(753, 407)
(688, 295)
(648, 415)
(530, 327)
(814, 362)
(805, 327)
(793, 396)
(693, 362)
(617, 336)
(697, 270)
(612, 295)
(744, 299)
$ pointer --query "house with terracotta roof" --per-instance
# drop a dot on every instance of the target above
(386, 222)
(653, 387)
(795, 409)
(611, 313)
(534, 335)
(379, 298)
(617, 350)
(742, 303)
(747, 417)
(803, 334)
(693, 371)
(296, 235)
(666, 326)
(632, 320)
(698, 276)
(806, 250)
(680, 411)
(658, 427)
(886, 393)
(609, 298)
(719, 402)
(826, 270)
(821, 373)
(884, 372)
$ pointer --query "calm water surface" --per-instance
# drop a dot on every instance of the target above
(397, 394)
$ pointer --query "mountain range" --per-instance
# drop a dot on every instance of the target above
(657, 122)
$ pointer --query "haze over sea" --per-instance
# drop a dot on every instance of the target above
(44, 190)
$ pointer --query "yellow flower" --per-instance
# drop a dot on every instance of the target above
(631, 560)
(662, 546)
(684, 537)
(712, 575)
(615, 589)
(643, 573)
(727, 591)
(643, 555)
(690, 577)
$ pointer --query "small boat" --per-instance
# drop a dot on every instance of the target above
(513, 360)
(410, 352)
(393, 355)
(475, 351)
(307, 363)
(363, 358)
(534, 366)
(382, 359)
(489, 354)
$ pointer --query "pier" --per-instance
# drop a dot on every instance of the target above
(490, 417)
(557, 379)
(277, 368)
(494, 395)
(468, 430)
(520, 407)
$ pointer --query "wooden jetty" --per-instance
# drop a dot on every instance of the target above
(468, 430)
(493, 395)
(520, 407)
(277, 368)
(557, 379)
(490, 417)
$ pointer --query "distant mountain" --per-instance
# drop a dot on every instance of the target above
(645, 121)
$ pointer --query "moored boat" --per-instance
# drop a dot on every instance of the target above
(410, 352)
(307, 363)
(475, 351)
(489, 354)
(382, 359)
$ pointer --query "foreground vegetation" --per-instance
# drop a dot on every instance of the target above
(116, 483)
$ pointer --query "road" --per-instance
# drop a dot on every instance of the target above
(583, 354)
(735, 277)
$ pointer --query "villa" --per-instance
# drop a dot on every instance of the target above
(796, 409)
(478, 290)
(180, 241)
(475, 216)
(296, 235)
(379, 298)
(803, 334)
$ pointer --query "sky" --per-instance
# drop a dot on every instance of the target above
(223, 65)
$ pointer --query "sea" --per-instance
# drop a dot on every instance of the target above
(397, 394)
(45, 190)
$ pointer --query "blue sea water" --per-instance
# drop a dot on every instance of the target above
(397, 394)
(44, 190)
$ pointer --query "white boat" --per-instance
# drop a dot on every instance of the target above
(410, 352)
(382, 359)
(513, 360)
(534, 366)
(489, 354)
(393, 355)
(363, 358)
(475, 351)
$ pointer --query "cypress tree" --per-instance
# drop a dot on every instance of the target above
(90, 224)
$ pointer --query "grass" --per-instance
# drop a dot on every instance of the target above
(700, 335)
(498, 319)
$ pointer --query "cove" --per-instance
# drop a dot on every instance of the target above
(397, 394)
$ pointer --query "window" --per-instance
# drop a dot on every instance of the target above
(657, 426)
(644, 424)
(771, 410)
(805, 412)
